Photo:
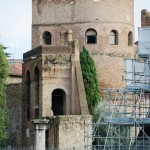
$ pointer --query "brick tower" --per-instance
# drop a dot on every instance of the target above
(105, 27)
(52, 78)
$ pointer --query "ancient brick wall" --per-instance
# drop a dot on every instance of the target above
(14, 79)
(145, 18)
(29, 100)
(78, 15)
(60, 72)
(60, 16)
(14, 105)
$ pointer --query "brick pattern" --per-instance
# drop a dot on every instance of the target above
(59, 68)
(57, 17)
(14, 105)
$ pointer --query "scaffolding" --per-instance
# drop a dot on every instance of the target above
(124, 121)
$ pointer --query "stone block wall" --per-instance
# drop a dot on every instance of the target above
(66, 132)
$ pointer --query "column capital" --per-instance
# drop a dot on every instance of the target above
(41, 124)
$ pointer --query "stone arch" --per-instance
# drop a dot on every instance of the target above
(28, 86)
(130, 38)
(113, 37)
(58, 101)
(36, 79)
(47, 38)
(91, 36)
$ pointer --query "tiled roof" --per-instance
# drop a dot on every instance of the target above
(15, 69)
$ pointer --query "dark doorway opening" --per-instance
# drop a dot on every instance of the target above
(58, 99)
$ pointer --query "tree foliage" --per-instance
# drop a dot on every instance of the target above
(90, 79)
(3, 108)
(113, 135)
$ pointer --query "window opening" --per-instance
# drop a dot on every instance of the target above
(113, 37)
(47, 38)
(91, 36)
(130, 39)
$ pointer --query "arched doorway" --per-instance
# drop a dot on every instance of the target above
(58, 101)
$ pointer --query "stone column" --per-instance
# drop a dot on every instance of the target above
(40, 127)
(69, 35)
(63, 37)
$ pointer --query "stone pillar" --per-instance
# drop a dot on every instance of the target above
(63, 37)
(66, 37)
(40, 127)
(69, 35)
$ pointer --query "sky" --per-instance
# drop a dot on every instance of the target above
(16, 20)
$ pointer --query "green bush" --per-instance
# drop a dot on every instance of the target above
(89, 79)
(110, 135)
(3, 108)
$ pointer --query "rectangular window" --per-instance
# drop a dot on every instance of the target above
(91, 39)
(112, 39)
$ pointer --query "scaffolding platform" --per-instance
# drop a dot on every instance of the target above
(124, 114)
(129, 121)
(137, 88)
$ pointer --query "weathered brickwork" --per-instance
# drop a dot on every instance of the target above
(14, 105)
(58, 70)
(145, 18)
(78, 16)
(14, 79)
(56, 66)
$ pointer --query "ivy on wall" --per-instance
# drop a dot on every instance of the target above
(90, 79)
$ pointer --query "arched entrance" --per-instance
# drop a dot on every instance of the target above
(58, 101)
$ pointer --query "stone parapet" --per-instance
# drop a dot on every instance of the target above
(67, 132)
(45, 49)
